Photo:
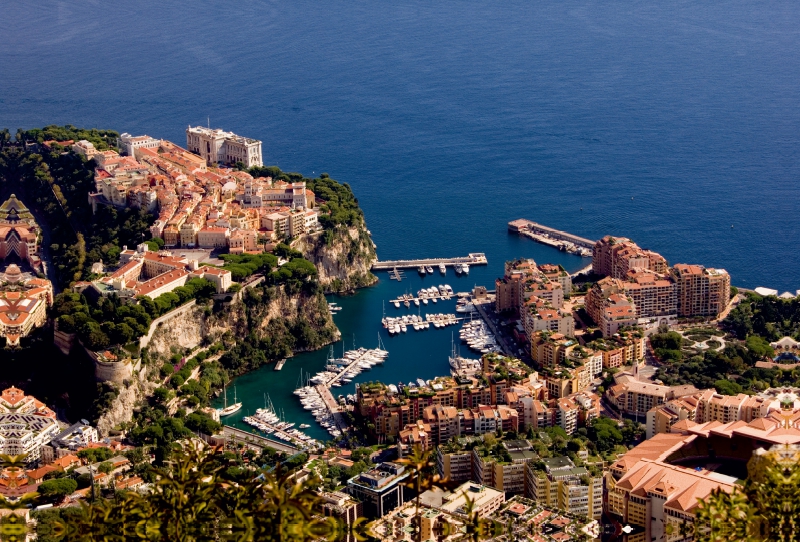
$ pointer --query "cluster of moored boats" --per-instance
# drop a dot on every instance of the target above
(419, 323)
(345, 369)
(478, 337)
(458, 267)
(426, 295)
(334, 307)
(313, 401)
(267, 421)
(465, 305)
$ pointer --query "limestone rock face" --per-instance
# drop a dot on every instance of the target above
(121, 410)
(343, 258)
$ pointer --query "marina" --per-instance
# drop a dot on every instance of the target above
(425, 296)
(418, 323)
(561, 240)
(477, 258)
(268, 421)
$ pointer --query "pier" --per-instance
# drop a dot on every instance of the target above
(333, 406)
(344, 371)
(477, 258)
(280, 364)
(550, 236)
(394, 274)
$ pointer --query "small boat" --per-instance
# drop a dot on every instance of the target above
(429, 269)
(442, 269)
(397, 304)
(304, 426)
(465, 268)
(421, 270)
(416, 302)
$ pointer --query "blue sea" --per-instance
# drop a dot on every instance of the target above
(676, 124)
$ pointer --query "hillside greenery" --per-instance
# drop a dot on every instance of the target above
(769, 317)
(108, 321)
(730, 371)
(340, 205)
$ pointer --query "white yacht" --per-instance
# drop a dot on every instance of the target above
(429, 269)
(442, 269)
(230, 409)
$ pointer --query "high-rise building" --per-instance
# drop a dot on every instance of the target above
(701, 291)
(615, 256)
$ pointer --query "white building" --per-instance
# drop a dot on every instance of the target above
(26, 434)
(217, 146)
(127, 144)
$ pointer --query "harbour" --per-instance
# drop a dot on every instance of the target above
(412, 355)
(558, 239)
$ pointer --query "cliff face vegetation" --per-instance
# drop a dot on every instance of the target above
(343, 257)
(268, 323)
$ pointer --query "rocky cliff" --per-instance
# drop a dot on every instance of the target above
(262, 312)
(343, 257)
(268, 318)
(121, 409)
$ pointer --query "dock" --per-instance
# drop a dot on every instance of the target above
(333, 406)
(394, 274)
(551, 236)
(280, 364)
(477, 258)
(349, 366)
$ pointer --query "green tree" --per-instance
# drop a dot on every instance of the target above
(59, 487)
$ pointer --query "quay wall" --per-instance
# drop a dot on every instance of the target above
(519, 224)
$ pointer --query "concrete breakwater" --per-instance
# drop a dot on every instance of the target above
(552, 237)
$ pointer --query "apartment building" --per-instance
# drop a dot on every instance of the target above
(633, 396)
(712, 406)
(616, 256)
(701, 291)
(443, 422)
(558, 483)
(504, 472)
(660, 419)
(454, 463)
(219, 147)
(539, 315)
(622, 348)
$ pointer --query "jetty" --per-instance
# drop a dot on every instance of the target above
(333, 407)
(552, 237)
(280, 364)
(395, 274)
(477, 258)
(345, 370)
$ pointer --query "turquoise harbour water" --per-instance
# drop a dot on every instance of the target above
(412, 355)
(675, 124)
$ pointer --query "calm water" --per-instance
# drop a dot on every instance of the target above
(674, 124)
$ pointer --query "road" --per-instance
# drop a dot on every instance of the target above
(231, 433)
